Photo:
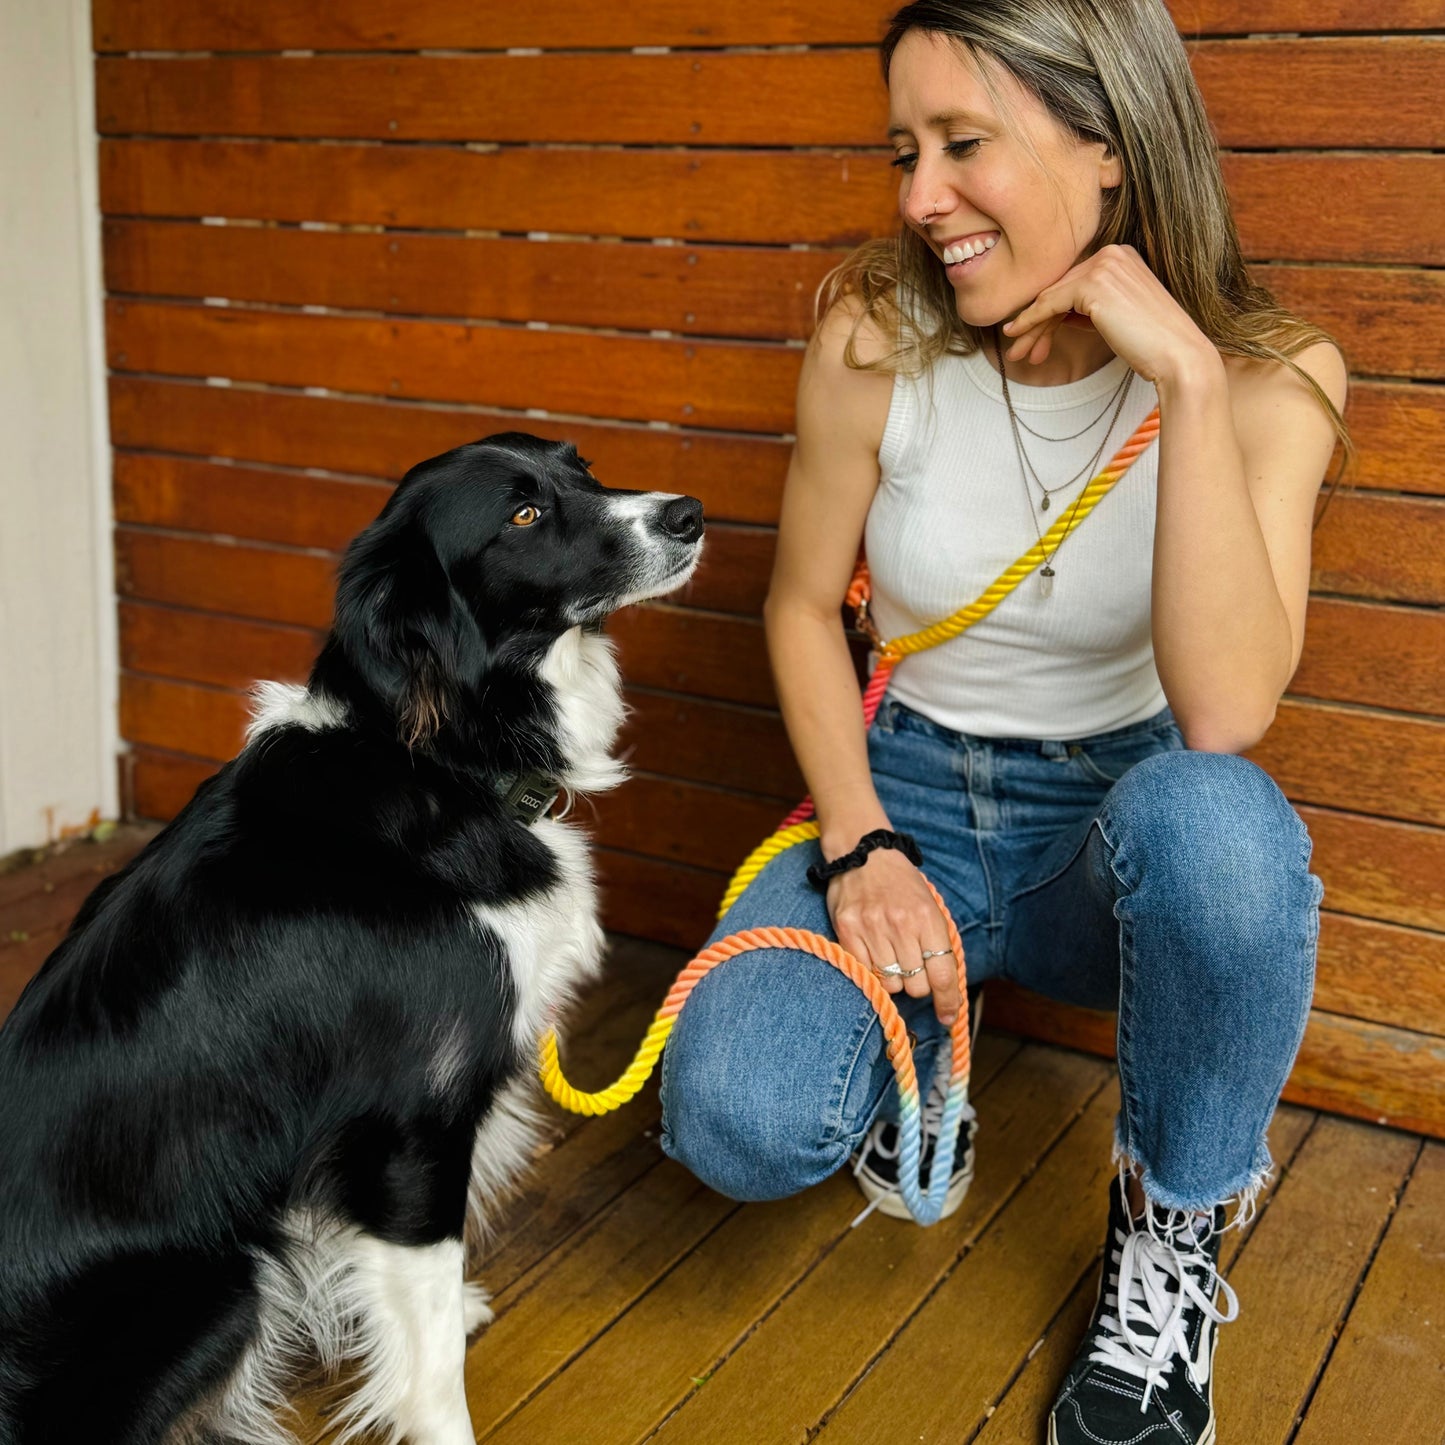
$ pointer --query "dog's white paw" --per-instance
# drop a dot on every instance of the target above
(476, 1307)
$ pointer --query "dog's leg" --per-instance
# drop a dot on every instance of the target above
(413, 1342)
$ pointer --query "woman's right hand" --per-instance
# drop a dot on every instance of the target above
(883, 913)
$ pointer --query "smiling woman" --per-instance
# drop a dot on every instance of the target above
(1066, 275)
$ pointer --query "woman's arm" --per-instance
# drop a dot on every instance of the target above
(882, 912)
(831, 480)
(1243, 449)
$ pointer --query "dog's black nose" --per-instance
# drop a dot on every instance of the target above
(682, 518)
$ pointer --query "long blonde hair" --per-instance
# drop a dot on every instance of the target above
(1107, 70)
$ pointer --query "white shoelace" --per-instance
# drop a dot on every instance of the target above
(1150, 1331)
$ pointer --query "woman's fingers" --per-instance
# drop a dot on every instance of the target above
(943, 979)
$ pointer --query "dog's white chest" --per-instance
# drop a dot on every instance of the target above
(553, 942)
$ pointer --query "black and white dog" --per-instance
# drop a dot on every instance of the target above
(258, 1099)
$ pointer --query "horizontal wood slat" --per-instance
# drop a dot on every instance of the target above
(719, 195)
(1381, 971)
(259, 504)
(1362, 761)
(737, 478)
(697, 196)
(1384, 548)
(1315, 92)
(1390, 323)
(1389, 1076)
(1388, 548)
(820, 97)
(465, 25)
(1374, 655)
(717, 291)
(702, 383)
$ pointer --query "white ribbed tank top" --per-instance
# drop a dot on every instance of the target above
(951, 513)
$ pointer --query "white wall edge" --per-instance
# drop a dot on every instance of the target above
(107, 624)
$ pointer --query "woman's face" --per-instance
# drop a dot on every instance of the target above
(1025, 224)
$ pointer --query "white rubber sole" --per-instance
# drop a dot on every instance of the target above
(890, 1200)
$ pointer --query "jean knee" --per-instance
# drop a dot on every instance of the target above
(1210, 844)
(769, 1075)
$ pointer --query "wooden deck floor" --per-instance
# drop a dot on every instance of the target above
(633, 1304)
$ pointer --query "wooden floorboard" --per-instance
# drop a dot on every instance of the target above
(634, 1305)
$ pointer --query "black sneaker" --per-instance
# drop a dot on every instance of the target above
(1145, 1368)
(875, 1165)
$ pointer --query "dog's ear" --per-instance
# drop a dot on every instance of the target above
(403, 626)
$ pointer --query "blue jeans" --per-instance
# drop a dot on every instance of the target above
(1121, 871)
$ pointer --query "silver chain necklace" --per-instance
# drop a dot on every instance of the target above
(1088, 425)
(1046, 572)
(1117, 400)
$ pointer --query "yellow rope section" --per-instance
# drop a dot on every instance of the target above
(761, 856)
(615, 1095)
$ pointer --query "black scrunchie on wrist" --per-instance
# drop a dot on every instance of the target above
(820, 873)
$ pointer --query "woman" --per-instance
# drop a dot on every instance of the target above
(1068, 767)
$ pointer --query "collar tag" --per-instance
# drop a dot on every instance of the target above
(531, 795)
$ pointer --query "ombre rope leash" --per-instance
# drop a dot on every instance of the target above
(797, 827)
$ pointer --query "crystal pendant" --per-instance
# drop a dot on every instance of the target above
(1046, 581)
(1044, 505)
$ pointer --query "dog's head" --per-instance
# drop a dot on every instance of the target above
(485, 556)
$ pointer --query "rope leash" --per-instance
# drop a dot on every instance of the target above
(797, 827)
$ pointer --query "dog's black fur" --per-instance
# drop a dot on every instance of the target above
(286, 1021)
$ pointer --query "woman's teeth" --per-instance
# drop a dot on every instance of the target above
(969, 249)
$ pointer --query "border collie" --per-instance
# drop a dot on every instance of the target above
(256, 1104)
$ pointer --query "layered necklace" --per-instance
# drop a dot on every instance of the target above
(1026, 468)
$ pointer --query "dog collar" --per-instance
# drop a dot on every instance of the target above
(528, 795)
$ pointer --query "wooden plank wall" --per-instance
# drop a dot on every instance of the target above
(340, 238)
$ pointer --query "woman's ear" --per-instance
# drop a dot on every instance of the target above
(1111, 170)
(405, 629)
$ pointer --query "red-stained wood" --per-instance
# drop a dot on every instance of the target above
(1363, 207)
(1388, 323)
(1374, 655)
(699, 290)
(1387, 548)
(119, 25)
(1313, 92)
(698, 383)
(690, 195)
(259, 504)
(819, 97)
(1363, 761)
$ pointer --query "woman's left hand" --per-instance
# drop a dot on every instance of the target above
(1116, 294)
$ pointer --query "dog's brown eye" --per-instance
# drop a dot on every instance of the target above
(525, 516)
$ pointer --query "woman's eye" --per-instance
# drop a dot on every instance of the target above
(957, 148)
(904, 163)
(525, 516)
